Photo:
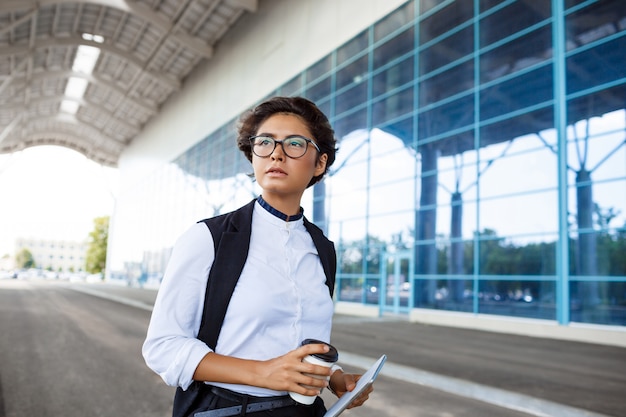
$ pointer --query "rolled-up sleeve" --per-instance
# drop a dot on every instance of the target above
(171, 348)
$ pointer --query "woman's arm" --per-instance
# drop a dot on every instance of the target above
(171, 348)
(284, 373)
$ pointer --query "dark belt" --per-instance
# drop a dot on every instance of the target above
(252, 404)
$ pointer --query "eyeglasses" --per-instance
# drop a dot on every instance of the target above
(293, 146)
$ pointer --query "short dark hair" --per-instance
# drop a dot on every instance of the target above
(315, 120)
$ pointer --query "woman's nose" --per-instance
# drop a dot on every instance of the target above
(278, 153)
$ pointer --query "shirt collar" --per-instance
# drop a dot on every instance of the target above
(278, 213)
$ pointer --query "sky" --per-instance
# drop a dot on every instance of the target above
(53, 193)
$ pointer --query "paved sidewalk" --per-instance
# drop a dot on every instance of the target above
(539, 376)
(476, 372)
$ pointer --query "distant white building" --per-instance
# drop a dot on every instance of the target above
(55, 255)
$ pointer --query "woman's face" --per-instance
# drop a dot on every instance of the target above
(278, 174)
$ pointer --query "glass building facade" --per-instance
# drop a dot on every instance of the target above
(481, 164)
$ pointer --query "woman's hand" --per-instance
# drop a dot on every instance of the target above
(341, 382)
(284, 373)
(290, 373)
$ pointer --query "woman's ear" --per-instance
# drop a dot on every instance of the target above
(320, 166)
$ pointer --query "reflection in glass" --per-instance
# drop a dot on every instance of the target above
(319, 91)
(393, 106)
(352, 48)
(518, 54)
(447, 83)
(530, 299)
(394, 21)
(453, 178)
(513, 18)
(354, 73)
(446, 51)
(391, 78)
(394, 48)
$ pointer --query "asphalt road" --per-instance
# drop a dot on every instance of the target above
(65, 352)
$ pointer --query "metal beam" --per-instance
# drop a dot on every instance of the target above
(75, 41)
(248, 5)
(145, 105)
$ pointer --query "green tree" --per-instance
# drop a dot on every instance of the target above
(95, 261)
(24, 259)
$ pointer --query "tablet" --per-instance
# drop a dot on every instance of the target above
(362, 384)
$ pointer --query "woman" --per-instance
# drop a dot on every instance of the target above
(270, 281)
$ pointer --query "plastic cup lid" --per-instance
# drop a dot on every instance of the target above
(331, 356)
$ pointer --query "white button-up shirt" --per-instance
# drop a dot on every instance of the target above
(280, 299)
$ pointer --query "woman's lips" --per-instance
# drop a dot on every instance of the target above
(275, 171)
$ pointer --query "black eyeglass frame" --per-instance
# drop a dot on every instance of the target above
(276, 142)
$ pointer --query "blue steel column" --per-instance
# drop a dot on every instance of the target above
(560, 124)
(476, 254)
(416, 87)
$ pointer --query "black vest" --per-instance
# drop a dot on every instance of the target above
(231, 239)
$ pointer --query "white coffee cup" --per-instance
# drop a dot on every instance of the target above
(327, 359)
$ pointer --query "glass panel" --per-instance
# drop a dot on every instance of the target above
(292, 87)
(453, 81)
(348, 231)
(396, 291)
(449, 116)
(456, 193)
(358, 290)
(595, 21)
(324, 106)
(394, 168)
(371, 290)
(534, 87)
(354, 47)
(532, 123)
(393, 77)
(393, 106)
(348, 288)
(320, 68)
(350, 123)
(348, 188)
(425, 292)
(394, 21)
(446, 51)
(511, 19)
(488, 4)
(394, 48)
(523, 165)
(517, 216)
(596, 66)
(426, 5)
(350, 262)
(598, 302)
(318, 91)
(389, 224)
(351, 98)
(521, 255)
(355, 73)
(518, 185)
(445, 19)
(530, 49)
(402, 129)
(530, 299)
(455, 292)
(597, 198)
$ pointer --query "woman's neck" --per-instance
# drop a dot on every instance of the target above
(289, 206)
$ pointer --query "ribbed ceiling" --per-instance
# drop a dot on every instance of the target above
(146, 49)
